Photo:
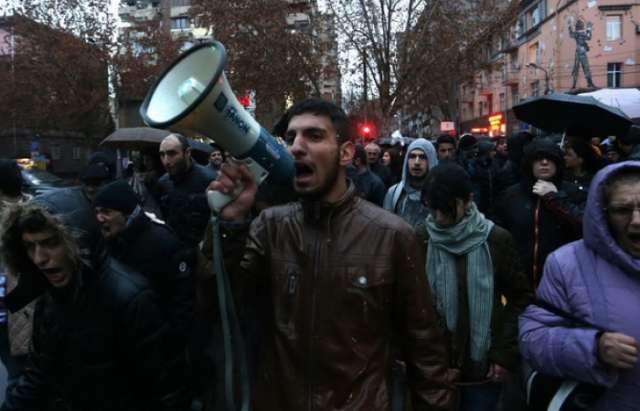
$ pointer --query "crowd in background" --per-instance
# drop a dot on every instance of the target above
(123, 315)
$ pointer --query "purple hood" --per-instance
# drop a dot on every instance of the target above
(597, 234)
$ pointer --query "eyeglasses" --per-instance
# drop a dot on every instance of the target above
(622, 211)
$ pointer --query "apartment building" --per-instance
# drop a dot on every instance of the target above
(541, 53)
(303, 16)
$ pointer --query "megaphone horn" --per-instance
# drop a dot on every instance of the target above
(193, 95)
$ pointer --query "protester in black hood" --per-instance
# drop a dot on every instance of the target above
(582, 162)
(510, 170)
(100, 338)
(542, 211)
(629, 143)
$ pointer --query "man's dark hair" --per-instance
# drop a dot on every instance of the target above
(445, 139)
(501, 139)
(583, 149)
(446, 182)
(632, 136)
(360, 154)
(320, 107)
(33, 218)
(10, 178)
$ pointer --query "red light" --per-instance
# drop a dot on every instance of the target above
(245, 101)
(366, 129)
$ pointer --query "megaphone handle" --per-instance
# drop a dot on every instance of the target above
(217, 200)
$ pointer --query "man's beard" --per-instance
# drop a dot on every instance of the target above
(329, 183)
(180, 167)
(416, 182)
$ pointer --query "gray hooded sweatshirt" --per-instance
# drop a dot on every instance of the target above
(401, 198)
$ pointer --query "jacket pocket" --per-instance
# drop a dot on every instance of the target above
(369, 293)
(287, 290)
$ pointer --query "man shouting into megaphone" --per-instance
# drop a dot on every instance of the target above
(345, 280)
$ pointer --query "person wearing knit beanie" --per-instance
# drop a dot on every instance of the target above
(113, 204)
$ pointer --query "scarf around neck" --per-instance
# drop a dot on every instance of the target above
(467, 238)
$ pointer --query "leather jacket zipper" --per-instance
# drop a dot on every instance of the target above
(316, 262)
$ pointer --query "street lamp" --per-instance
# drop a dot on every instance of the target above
(547, 90)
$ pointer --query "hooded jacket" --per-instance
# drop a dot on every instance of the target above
(100, 342)
(401, 198)
(540, 225)
(596, 280)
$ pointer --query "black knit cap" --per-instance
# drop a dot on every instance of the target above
(117, 195)
(467, 141)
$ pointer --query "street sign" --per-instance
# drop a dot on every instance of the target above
(447, 126)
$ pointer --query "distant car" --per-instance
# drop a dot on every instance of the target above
(40, 181)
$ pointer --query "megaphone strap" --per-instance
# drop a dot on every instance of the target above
(230, 327)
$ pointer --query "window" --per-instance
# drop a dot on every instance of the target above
(614, 75)
(178, 3)
(55, 152)
(535, 88)
(515, 96)
(76, 153)
(503, 102)
(533, 54)
(535, 17)
(180, 23)
(614, 28)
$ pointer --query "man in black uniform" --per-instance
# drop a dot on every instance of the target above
(151, 248)
(181, 191)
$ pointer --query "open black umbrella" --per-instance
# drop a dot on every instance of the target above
(580, 116)
(135, 137)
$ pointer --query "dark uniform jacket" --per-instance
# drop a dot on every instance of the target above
(345, 282)
(100, 344)
(183, 202)
(152, 249)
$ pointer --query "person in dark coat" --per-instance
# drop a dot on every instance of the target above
(100, 339)
(582, 163)
(471, 262)
(510, 171)
(374, 155)
(181, 191)
(367, 183)
(151, 248)
(542, 211)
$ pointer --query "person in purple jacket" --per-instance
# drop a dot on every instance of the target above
(596, 279)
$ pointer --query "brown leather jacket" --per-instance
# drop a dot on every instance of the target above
(346, 283)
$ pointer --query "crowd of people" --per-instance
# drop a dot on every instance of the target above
(432, 276)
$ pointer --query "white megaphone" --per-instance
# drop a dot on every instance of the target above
(193, 95)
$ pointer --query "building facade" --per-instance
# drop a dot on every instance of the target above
(556, 45)
(62, 144)
(302, 15)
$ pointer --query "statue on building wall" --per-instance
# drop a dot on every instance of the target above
(582, 35)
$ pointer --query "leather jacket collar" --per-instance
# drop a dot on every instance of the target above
(316, 211)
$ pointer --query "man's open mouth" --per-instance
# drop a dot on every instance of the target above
(634, 237)
(303, 170)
